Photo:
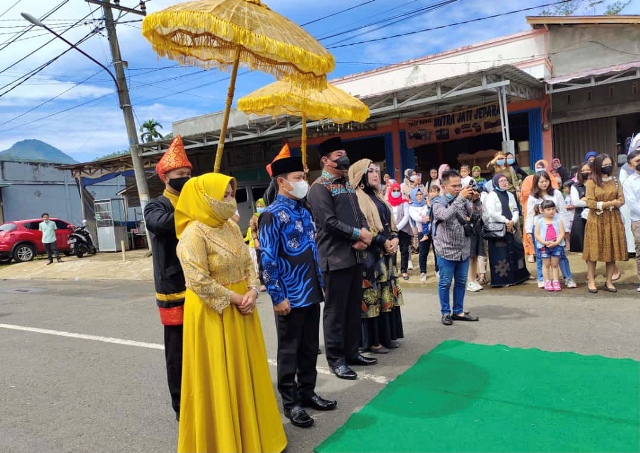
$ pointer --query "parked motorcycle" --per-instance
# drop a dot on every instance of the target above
(81, 242)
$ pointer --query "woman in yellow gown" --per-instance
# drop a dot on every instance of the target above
(227, 403)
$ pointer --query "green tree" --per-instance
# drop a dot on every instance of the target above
(149, 131)
(575, 7)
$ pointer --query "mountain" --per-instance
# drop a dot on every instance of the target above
(35, 151)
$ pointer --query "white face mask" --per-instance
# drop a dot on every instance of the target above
(299, 189)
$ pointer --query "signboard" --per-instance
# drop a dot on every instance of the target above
(484, 119)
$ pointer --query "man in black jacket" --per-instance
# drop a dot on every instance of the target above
(174, 169)
(342, 231)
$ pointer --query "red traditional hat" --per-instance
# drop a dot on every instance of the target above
(284, 153)
(174, 157)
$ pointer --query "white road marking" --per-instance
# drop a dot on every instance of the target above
(141, 344)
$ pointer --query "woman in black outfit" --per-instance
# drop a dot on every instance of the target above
(579, 201)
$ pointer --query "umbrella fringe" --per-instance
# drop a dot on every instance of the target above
(168, 33)
(288, 104)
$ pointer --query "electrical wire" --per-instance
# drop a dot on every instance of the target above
(493, 16)
(337, 13)
(42, 46)
(10, 8)
(8, 42)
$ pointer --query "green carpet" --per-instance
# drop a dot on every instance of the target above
(464, 397)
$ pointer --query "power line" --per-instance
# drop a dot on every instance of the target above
(10, 8)
(447, 25)
(45, 44)
(399, 18)
(337, 13)
(8, 42)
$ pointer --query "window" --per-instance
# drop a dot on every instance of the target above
(8, 227)
(61, 225)
(32, 225)
(241, 195)
(257, 192)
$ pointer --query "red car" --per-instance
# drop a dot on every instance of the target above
(21, 240)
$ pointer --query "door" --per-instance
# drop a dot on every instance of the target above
(62, 234)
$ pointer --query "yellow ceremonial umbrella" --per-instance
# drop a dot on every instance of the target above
(287, 98)
(223, 33)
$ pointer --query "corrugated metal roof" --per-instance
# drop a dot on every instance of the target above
(593, 72)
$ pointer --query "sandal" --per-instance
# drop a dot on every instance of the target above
(405, 276)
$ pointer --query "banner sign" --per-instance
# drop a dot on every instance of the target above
(484, 119)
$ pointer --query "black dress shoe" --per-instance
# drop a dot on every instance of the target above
(362, 360)
(344, 372)
(464, 317)
(298, 417)
(446, 320)
(319, 403)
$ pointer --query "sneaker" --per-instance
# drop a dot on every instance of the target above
(423, 278)
(570, 283)
(473, 287)
(556, 285)
(548, 286)
(540, 283)
(410, 266)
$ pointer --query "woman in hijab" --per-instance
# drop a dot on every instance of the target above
(562, 172)
(228, 402)
(400, 208)
(381, 296)
(506, 254)
(526, 187)
(499, 165)
(590, 156)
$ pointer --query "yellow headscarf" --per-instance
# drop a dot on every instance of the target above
(201, 200)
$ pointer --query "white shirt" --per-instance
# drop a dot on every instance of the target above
(533, 202)
(575, 199)
(492, 208)
(631, 191)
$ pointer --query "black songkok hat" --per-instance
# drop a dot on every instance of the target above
(328, 146)
(286, 165)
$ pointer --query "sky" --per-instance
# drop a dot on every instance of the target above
(72, 103)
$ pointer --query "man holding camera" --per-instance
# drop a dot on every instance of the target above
(451, 233)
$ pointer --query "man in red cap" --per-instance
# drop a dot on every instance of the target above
(174, 169)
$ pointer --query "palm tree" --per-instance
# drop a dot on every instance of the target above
(149, 131)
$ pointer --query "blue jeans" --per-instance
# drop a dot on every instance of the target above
(563, 264)
(450, 270)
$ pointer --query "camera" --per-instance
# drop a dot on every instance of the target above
(469, 230)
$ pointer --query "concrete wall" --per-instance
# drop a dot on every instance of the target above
(596, 102)
(580, 48)
(34, 188)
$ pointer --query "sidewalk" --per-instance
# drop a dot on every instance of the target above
(102, 266)
(110, 266)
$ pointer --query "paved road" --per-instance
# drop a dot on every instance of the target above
(88, 376)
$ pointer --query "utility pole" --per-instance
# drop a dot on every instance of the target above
(123, 96)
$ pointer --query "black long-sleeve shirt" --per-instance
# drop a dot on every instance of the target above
(338, 218)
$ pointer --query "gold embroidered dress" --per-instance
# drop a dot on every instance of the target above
(228, 402)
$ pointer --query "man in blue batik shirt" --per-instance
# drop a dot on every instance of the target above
(294, 282)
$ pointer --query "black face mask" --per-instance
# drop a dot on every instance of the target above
(585, 176)
(607, 170)
(638, 167)
(342, 162)
(178, 183)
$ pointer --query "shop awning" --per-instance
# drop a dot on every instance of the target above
(469, 89)
(593, 77)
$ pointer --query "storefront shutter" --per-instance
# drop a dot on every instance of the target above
(571, 141)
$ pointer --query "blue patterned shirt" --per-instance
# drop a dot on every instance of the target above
(289, 254)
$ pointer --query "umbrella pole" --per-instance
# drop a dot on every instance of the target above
(227, 109)
(303, 144)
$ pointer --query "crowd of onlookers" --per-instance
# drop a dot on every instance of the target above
(537, 217)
